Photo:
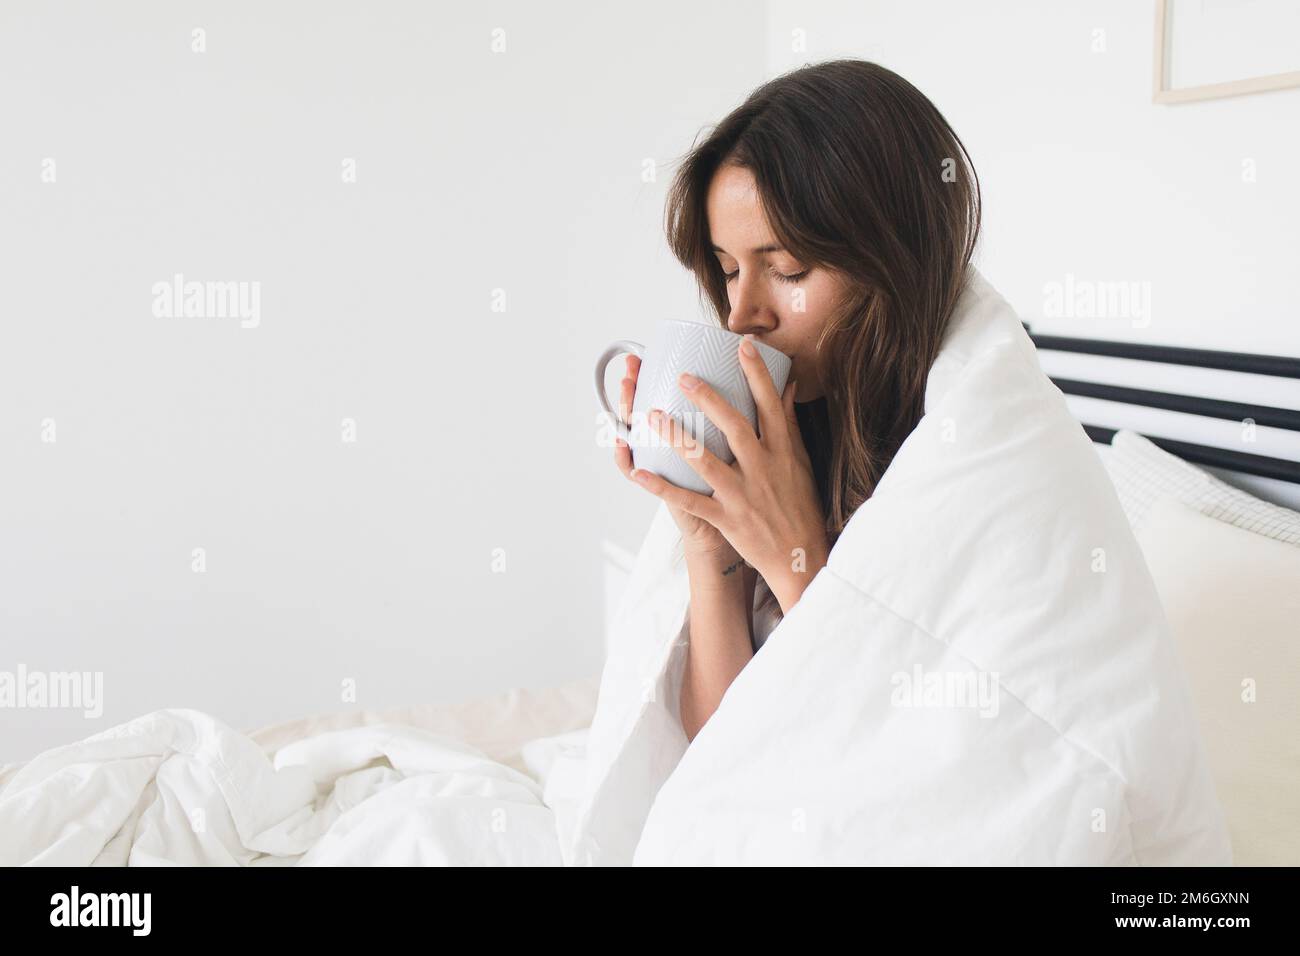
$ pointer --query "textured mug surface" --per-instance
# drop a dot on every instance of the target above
(711, 353)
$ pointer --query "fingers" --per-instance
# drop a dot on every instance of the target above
(707, 465)
(627, 391)
(772, 424)
(625, 396)
(735, 426)
(623, 457)
(701, 506)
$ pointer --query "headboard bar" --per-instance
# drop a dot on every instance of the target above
(1282, 365)
(1260, 465)
(1211, 407)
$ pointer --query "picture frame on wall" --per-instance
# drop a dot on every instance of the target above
(1210, 49)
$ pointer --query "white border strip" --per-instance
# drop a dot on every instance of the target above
(1180, 426)
(1190, 380)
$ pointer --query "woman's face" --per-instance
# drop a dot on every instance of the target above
(782, 301)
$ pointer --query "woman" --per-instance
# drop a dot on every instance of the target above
(980, 671)
(831, 216)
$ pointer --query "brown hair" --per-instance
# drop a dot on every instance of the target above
(857, 172)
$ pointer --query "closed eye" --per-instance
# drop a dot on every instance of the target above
(775, 273)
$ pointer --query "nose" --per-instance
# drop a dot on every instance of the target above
(749, 311)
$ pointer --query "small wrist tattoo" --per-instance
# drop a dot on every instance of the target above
(728, 570)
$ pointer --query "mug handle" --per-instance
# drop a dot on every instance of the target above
(602, 363)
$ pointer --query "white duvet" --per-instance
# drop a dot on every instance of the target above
(180, 787)
(981, 675)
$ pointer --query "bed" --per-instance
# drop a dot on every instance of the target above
(1203, 447)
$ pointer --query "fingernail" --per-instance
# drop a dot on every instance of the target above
(640, 476)
(656, 416)
(747, 346)
(688, 380)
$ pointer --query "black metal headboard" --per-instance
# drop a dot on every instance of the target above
(1283, 466)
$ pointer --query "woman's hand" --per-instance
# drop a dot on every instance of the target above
(765, 503)
(698, 536)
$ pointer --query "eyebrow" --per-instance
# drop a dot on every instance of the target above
(717, 248)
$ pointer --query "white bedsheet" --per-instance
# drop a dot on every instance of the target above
(994, 557)
(180, 787)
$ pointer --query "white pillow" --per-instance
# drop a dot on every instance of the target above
(1234, 607)
(1143, 473)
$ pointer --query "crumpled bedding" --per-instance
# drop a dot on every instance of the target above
(489, 782)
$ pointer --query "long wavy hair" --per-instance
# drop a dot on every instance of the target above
(859, 173)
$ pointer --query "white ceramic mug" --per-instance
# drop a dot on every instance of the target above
(709, 352)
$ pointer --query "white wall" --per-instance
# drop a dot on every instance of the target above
(1082, 174)
(327, 561)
